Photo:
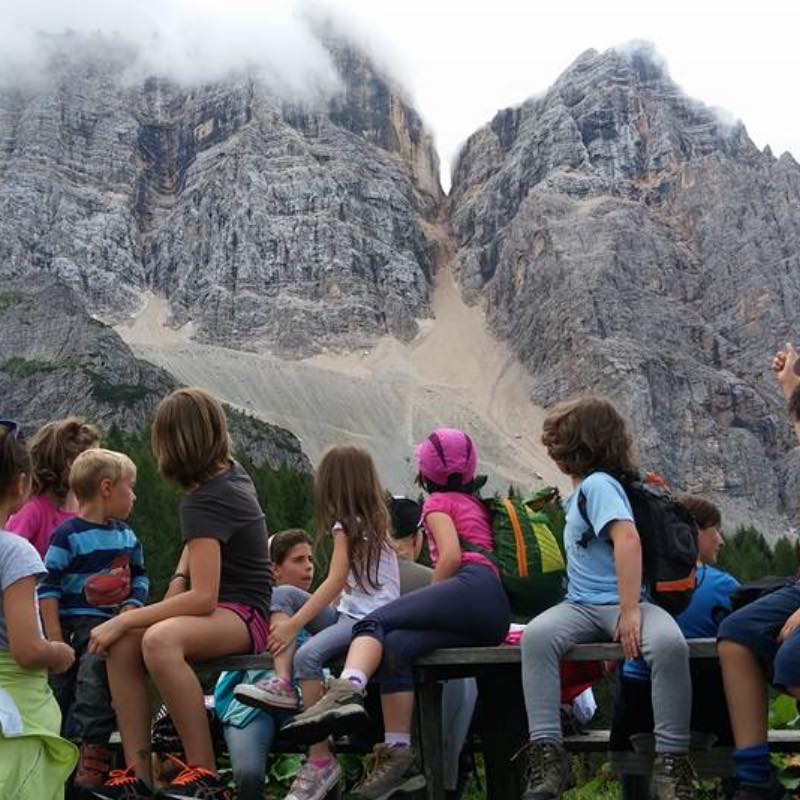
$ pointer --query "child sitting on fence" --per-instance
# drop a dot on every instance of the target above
(465, 605)
(95, 567)
(589, 441)
(762, 641)
(363, 576)
(53, 448)
(34, 761)
(216, 604)
(250, 731)
(710, 604)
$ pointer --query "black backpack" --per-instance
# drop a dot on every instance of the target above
(668, 534)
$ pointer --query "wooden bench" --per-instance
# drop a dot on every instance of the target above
(502, 720)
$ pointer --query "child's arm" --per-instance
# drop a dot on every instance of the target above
(179, 583)
(445, 535)
(283, 633)
(204, 558)
(140, 583)
(57, 561)
(25, 643)
(628, 563)
(784, 367)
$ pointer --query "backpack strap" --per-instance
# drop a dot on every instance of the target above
(471, 547)
(590, 533)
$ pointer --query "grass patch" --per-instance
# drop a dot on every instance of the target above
(20, 368)
(10, 298)
(123, 394)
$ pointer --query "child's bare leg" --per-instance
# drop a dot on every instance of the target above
(398, 710)
(282, 663)
(167, 647)
(364, 655)
(127, 679)
(746, 692)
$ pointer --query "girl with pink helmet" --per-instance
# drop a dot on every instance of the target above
(465, 605)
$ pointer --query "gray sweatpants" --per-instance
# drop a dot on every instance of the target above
(331, 633)
(548, 636)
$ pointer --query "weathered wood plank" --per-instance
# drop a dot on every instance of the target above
(479, 656)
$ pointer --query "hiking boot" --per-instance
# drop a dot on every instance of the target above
(340, 710)
(93, 766)
(772, 790)
(313, 782)
(267, 694)
(674, 777)
(122, 784)
(196, 782)
(548, 773)
(391, 770)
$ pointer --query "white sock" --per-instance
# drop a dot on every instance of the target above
(397, 739)
(355, 676)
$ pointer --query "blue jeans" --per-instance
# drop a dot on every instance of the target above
(249, 748)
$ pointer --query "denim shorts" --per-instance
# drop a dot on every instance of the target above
(756, 627)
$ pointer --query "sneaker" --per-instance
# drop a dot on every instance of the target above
(391, 770)
(268, 693)
(313, 782)
(122, 784)
(340, 710)
(548, 772)
(196, 782)
(93, 766)
(674, 777)
(772, 790)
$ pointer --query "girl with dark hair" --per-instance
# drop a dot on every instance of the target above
(34, 761)
(363, 576)
(464, 605)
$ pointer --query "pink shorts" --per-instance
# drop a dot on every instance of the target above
(257, 624)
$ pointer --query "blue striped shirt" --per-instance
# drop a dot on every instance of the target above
(88, 563)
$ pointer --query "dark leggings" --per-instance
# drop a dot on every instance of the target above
(469, 609)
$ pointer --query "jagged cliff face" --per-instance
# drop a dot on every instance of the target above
(262, 222)
(56, 360)
(627, 241)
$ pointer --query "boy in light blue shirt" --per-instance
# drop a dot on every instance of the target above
(588, 439)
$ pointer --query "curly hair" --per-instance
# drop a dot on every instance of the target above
(53, 449)
(705, 513)
(588, 433)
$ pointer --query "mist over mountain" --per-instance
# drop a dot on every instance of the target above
(614, 235)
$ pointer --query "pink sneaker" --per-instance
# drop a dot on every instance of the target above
(268, 693)
(314, 783)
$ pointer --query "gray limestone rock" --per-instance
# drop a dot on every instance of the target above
(262, 221)
(625, 239)
(56, 360)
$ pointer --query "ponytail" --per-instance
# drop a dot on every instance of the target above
(14, 456)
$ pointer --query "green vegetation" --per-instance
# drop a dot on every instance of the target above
(9, 298)
(747, 555)
(118, 394)
(19, 368)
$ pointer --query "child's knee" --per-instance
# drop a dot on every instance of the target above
(287, 600)
(669, 647)
(539, 638)
(308, 664)
(160, 645)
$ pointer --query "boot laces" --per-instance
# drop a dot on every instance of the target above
(377, 763)
(539, 758)
(188, 775)
(121, 777)
(681, 770)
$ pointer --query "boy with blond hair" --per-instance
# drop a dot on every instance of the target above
(95, 568)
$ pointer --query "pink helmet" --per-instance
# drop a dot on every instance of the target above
(447, 451)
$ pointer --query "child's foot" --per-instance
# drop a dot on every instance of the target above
(93, 767)
(393, 771)
(122, 784)
(268, 693)
(340, 710)
(314, 781)
(548, 772)
(196, 782)
(674, 777)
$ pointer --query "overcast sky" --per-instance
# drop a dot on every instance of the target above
(462, 60)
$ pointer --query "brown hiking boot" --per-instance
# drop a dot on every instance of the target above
(674, 777)
(93, 766)
(548, 773)
(390, 771)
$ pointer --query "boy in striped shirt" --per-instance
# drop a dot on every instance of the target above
(95, 569)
